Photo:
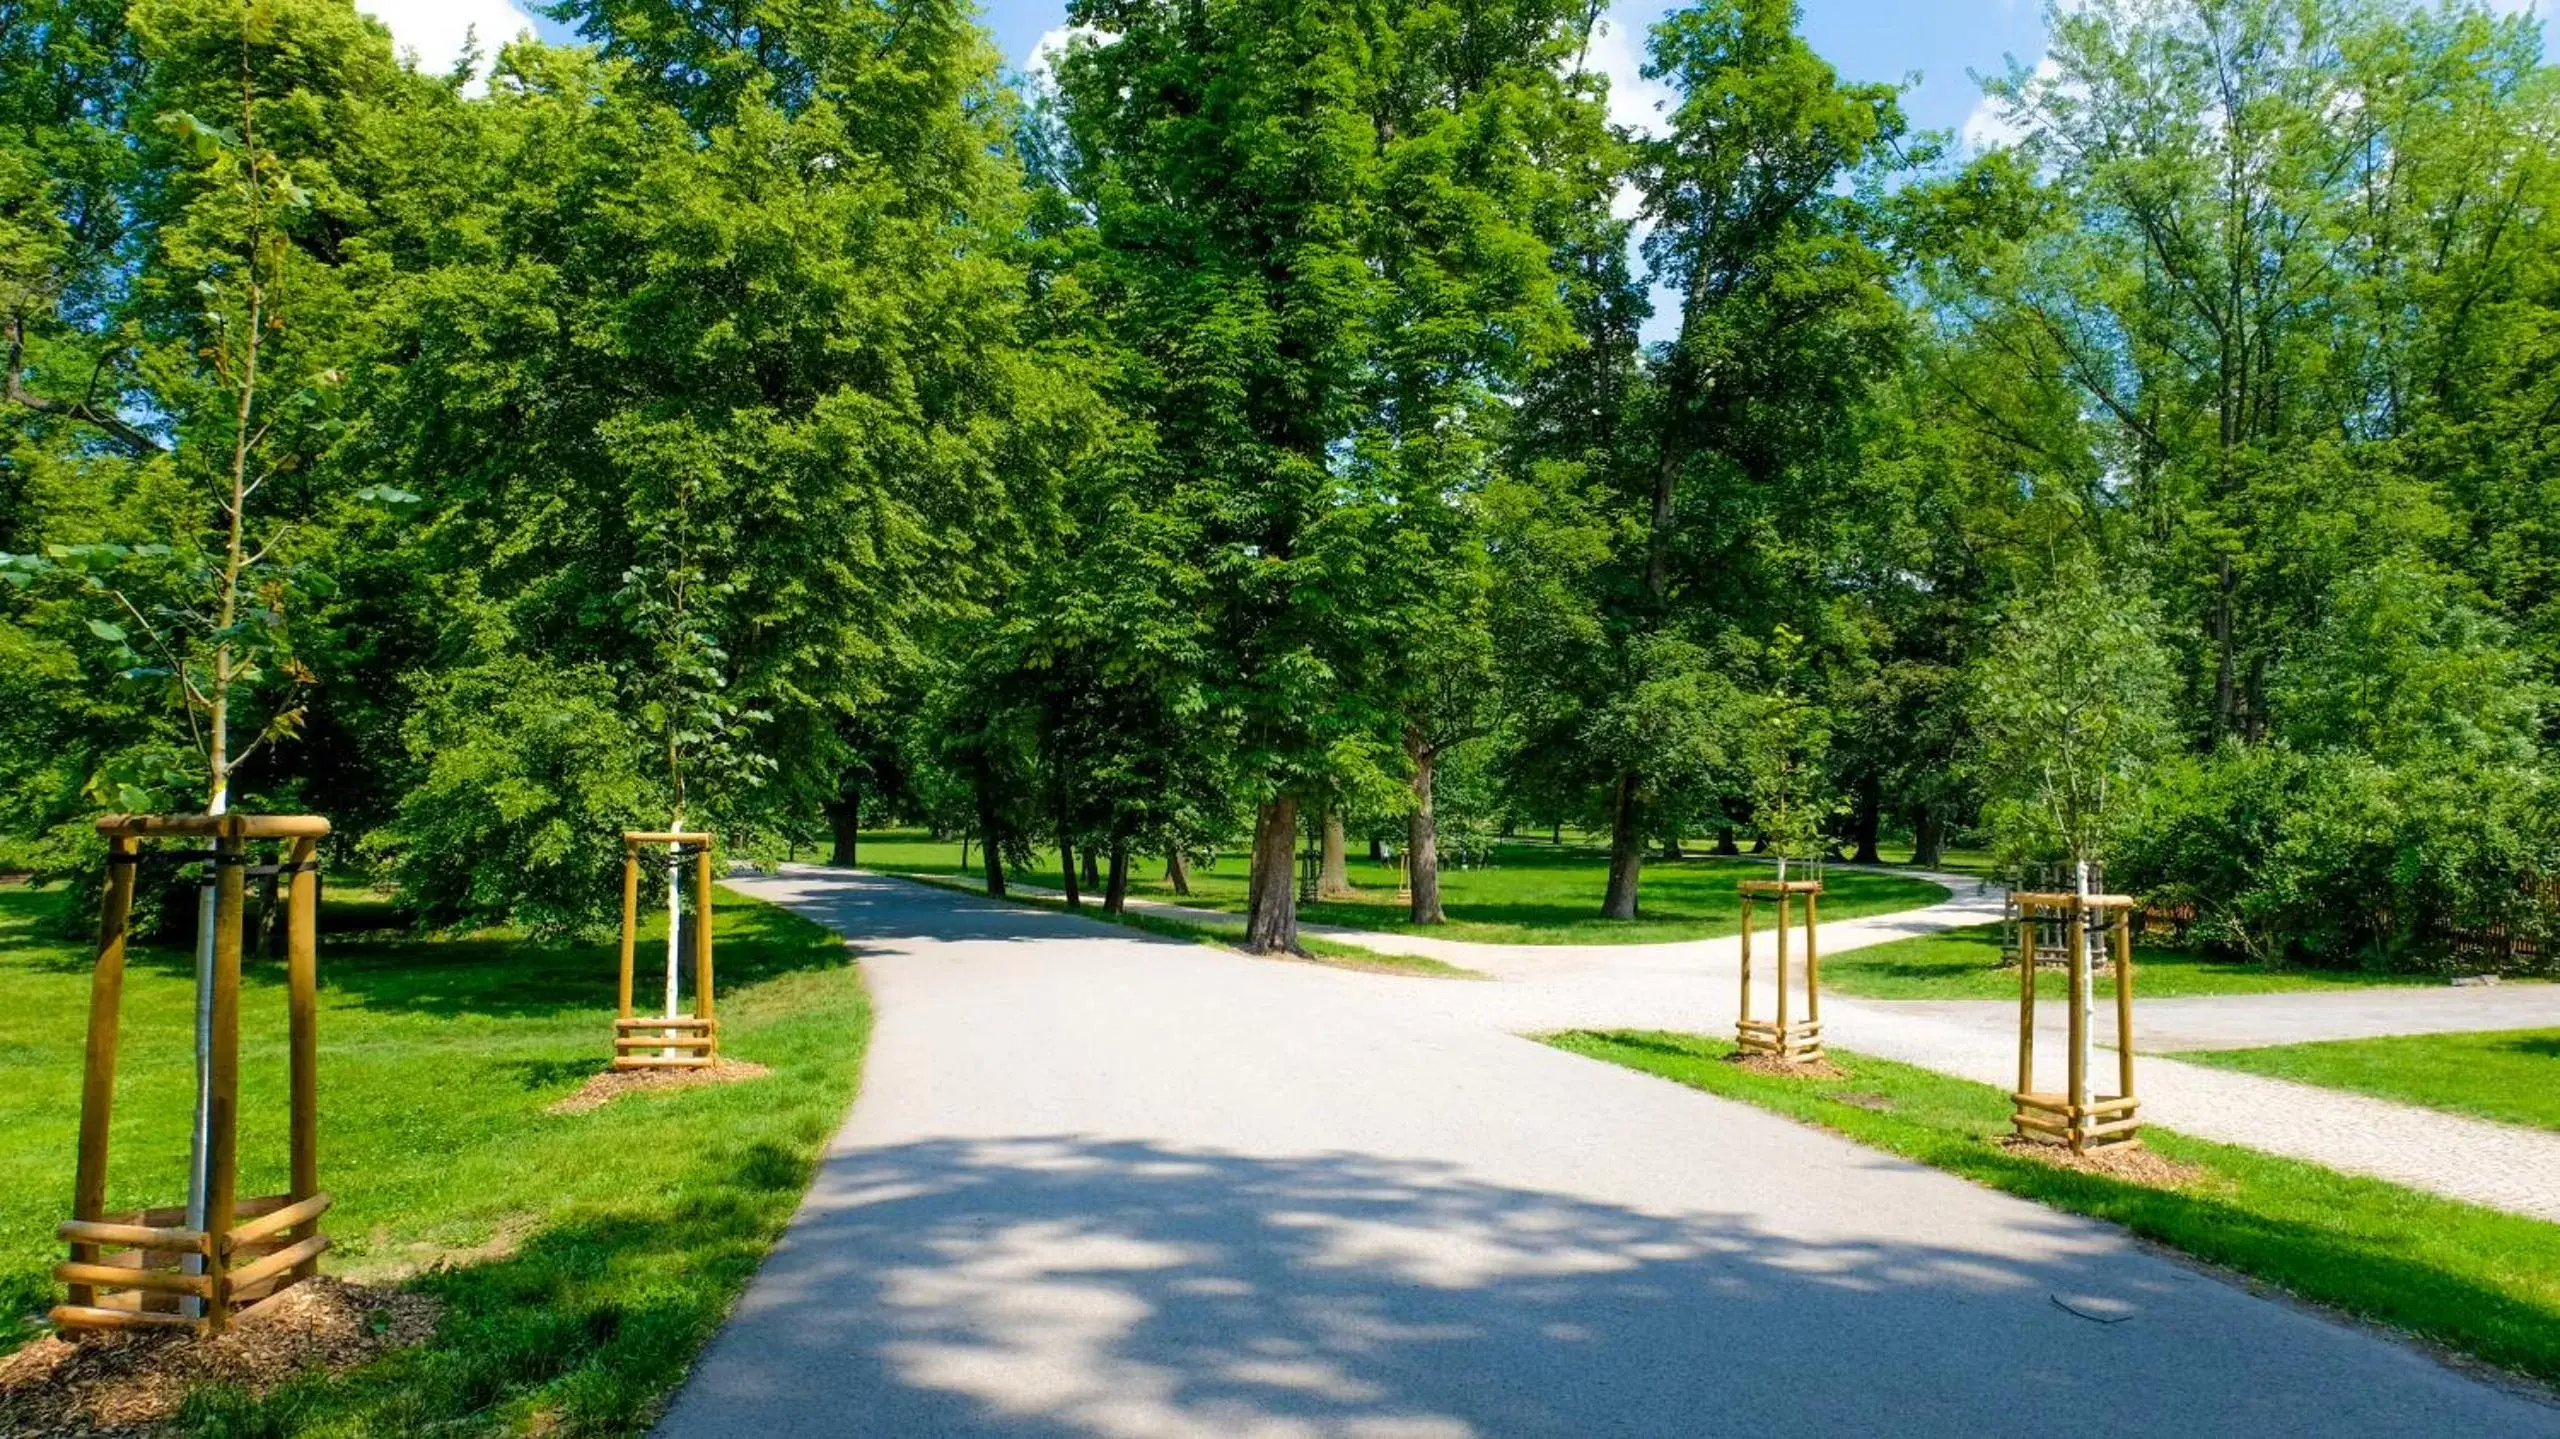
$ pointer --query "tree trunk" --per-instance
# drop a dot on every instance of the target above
(990, 834)
(1177, 871)
(1866, 821)
(1626, 852)
(1422, 839)
(1115, 894)
(964, 851)
(1724, 841)
(1272, 925)
(1067, 868)
(1377, 850)
(1555, 832)
(1253, 875)
(1092, 873)
(844, 820)
(1928, 838)
(1333, 880)
(1671, 846)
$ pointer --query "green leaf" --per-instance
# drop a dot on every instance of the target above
(112, 634)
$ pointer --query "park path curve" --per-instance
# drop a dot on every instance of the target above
(1102, 1183)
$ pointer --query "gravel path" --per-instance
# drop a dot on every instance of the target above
(1691, 986)
(1099, 1183)
(2249, 1021)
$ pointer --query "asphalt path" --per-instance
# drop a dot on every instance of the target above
(1101, 1183)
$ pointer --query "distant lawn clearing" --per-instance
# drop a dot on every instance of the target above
(581, 1260)
(1964, 964)
(1531, 894)
(2471, 1279)
(2512, 1076)
(1222, 935)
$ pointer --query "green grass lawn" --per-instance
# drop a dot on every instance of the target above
(582, 1260)
(1533, 893)
(1965, 964)
(2476, 1280)
(2508, 1075)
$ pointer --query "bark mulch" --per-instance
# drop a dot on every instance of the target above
(2129, 1161)
(613, 1084)
(1786, 1069)
(132, 1383)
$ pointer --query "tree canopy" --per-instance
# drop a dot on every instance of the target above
(1257, 426)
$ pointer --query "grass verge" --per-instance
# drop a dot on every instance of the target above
(1532, 893)
(2474, 1280)
(1317, 947)
(581, 1260)
(1965, 964)
(2512, 1076)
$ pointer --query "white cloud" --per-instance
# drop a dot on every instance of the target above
(1990, 125)
(1635, 102)
(433, 30)
(1053, 43)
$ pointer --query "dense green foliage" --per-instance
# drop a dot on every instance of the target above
(1245, 431)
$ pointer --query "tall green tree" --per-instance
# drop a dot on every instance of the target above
(1305, 210)
(1729, 445)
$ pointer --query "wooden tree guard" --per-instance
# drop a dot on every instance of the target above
(2074, 1116)
(134, 1270)
(676, 1041)
(1795, 1041)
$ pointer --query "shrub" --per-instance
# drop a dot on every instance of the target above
(528, 777)
(2339, 859)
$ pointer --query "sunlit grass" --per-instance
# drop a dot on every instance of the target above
(581, 1259)
(1532, 893)
(2508, 1075)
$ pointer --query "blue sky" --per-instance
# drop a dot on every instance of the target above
(1865, 39)
(1930, 43)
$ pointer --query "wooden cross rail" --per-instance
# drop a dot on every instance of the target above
(121, 1265)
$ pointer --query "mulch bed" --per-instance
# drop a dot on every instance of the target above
(2129, 1161)
(613, 1084)
(131, 1383)
(1785, 1069)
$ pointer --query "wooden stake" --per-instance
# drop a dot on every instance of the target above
(2124, 1002)
(1782, 968)
(98, 1074)
(702, 929)
(1748, 902)
(302, 1000)
(1812, 965)
(630, 923)
(2026, 1000)
(2076, 934)
(222, 1129)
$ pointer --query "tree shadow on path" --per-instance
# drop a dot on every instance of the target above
(1070, 1285)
